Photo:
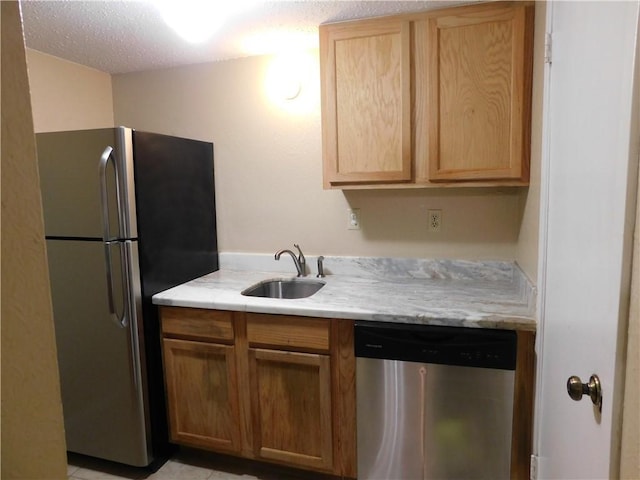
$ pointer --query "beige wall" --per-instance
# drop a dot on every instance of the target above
(269, 173)
(268, 163)
(528, 235)
(33, 444)
(68, 96)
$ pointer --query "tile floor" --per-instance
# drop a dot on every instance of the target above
(185, 465)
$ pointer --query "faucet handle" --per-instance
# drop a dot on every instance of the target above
(320, 267)
(301, 260)
(300, 254)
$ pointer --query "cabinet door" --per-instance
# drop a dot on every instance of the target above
(366, 96)
(202, 394)
(480, 93)
(291, 407)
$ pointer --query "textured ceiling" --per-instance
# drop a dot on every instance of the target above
(119, 36)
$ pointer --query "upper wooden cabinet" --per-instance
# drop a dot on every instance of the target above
(367, 101)
(431, 99)
(479, 96)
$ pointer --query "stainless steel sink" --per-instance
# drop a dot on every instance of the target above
(284, 288)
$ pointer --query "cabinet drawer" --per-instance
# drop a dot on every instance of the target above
(288, 331)
(196, 323)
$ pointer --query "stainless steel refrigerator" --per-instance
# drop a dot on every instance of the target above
(127, 214)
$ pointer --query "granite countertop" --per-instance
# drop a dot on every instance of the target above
(433, 292)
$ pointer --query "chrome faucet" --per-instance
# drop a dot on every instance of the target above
(300, 262)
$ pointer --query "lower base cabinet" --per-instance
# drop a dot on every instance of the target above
(293, 392)
(276, 388)
(201, 386)
(281, 388)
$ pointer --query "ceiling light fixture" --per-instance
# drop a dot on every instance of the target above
(284, 76)
(292, 82)
(197, 20)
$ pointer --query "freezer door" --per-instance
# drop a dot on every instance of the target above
(75, 168)
(99, 360)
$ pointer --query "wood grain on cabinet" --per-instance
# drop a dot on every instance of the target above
(290, 389)
(307, 334)
(202, 394)
(291, 407)
(479, 101)
(466, 90)
(343, 371)
(244, 387)
(523, 399)
(198, 324)
(262, 386)
(366, 102)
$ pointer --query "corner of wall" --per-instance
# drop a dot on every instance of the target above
(68, 96)
(33, 443)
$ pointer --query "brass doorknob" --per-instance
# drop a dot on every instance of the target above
(577, 389)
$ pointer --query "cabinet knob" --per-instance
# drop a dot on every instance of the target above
(576, 389)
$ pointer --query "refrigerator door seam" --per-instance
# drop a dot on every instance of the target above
(127, 214)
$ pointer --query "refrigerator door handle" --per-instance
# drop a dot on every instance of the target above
(131, 277)
(104, 195)
(120, 320)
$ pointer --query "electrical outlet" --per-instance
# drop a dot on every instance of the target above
(353, 219)
(434, 217)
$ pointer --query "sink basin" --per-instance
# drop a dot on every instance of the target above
(284, 288)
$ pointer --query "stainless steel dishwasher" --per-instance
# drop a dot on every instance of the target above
(433, 402)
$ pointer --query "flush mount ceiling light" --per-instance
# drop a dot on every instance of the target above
(197, 20)
(292, 82)
(284, 76)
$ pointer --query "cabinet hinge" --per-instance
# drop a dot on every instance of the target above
(547, 48)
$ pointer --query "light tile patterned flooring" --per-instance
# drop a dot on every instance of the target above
(185, 465)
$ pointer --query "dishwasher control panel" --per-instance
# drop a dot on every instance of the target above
(460, 346)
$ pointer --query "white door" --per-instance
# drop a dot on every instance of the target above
(588, 197)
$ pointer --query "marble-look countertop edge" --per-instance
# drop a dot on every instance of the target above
(491, 322)
(473, 303)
